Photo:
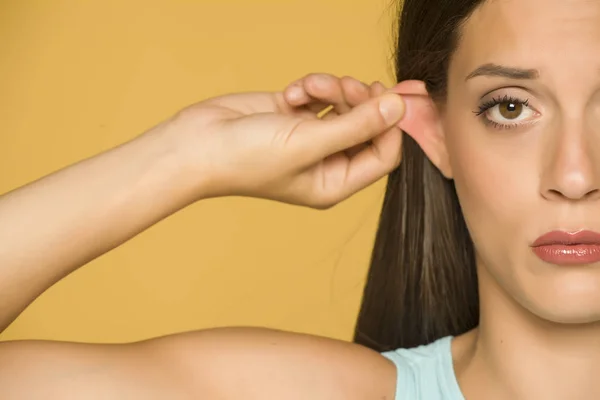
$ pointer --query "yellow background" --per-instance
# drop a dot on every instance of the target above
(79, 77)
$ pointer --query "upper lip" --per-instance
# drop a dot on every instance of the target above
(568, 238)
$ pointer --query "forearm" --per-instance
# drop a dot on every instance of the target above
(54, 225)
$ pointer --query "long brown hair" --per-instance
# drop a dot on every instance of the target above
(422, 283)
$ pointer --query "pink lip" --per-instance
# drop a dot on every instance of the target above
(568, 248)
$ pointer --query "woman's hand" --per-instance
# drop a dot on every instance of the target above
(277, 146)
(269, 145)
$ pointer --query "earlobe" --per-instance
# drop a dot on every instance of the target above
(423, 123)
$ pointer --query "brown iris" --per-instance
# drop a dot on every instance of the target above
(510, 110)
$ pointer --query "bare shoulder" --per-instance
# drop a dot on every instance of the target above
(228, 363)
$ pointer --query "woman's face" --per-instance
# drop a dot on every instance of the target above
(531, 164)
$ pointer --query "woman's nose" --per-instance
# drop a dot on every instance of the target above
(572, 164)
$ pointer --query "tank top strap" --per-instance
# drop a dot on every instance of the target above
(426, 372)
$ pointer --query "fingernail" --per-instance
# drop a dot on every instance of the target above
(391, 108)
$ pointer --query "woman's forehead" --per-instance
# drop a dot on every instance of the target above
(532, 34)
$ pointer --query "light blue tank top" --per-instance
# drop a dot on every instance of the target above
(426, 372)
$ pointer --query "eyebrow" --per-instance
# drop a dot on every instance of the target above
(503, 71)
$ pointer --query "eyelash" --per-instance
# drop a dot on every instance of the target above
(484, 107)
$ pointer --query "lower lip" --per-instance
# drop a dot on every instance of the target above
(560, 254)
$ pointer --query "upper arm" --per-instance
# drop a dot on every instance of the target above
(263, 364)
(217, 363)
(35, 370)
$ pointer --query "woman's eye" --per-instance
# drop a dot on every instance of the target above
(507, 113)
(510, 110)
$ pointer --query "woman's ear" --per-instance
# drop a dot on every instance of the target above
(423, 123)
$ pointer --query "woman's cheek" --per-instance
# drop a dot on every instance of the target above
(495, 193)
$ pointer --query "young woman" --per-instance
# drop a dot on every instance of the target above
(484, 282)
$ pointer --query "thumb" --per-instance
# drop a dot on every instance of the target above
(364, 122)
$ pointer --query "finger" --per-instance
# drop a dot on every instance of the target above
(326, 89)
(318, 92)
(317, 139)
(410, 122)
(352, 151)
(355, 91)
(295, 95)
(373, 162)
(338, 177)
(377, 89)
(357, 98)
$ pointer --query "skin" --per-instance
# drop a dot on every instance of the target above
(538, 336)
(201, 152)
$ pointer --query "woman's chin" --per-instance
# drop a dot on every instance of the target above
(574, 301)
